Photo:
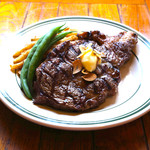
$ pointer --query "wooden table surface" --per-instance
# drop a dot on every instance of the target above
(17, 133)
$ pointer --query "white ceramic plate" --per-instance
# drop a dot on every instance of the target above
(131, 102)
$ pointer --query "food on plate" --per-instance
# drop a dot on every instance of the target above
(73, 72)
(16, 66)
(35, 56)
(20, 52)
(21, 55)
(62, 80)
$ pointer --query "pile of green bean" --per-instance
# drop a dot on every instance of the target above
(35, 56)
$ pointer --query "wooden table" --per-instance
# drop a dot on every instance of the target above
(17, 133)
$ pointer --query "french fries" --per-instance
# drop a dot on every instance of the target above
(17, 66)
(72, 37)
(18, 53)
(35, 39)
(21, 55)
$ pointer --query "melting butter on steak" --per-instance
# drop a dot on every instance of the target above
(56, 85)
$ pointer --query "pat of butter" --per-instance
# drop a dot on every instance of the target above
(89, 61)
(89, 57)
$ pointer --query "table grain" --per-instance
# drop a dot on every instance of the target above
(17, 133)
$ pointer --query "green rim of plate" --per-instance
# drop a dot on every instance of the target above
(91, 19)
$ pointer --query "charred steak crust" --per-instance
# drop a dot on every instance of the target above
(56, 86)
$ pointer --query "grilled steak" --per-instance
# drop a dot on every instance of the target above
(56, 85)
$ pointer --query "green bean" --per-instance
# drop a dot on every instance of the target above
(38, 55)
(59, 37)
(60, 30)
(24, 70)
